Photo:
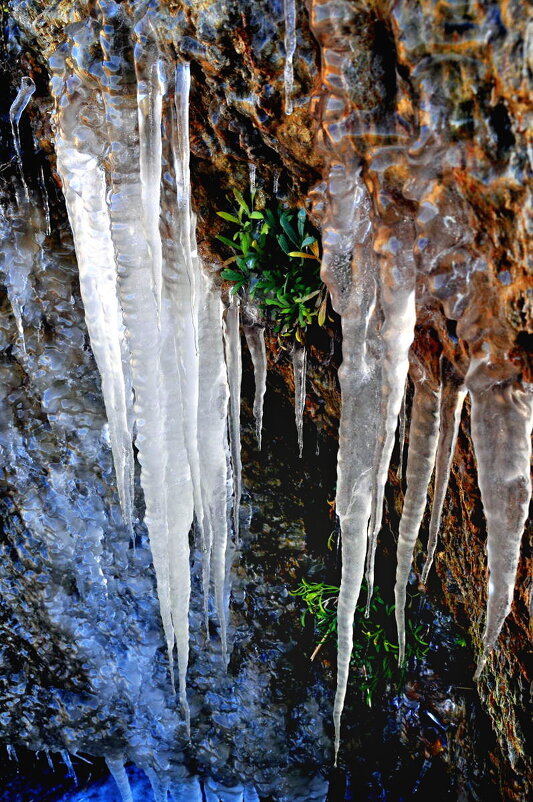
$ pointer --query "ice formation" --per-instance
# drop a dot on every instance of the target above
(154, 321)
(289, 10)
(255, 340)
(234, 363)
(423, 437)
(451, 405)
(375, 250)
(299, 369)
(118, 772)
(27, 88)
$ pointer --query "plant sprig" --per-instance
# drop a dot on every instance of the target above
(374, 656)
(276, 259)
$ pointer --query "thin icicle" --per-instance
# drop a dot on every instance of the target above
(234, 363)
(289, 8)
(212, 444)
(70, 768)
(150, 90)
(255, 339)
(451, 405)
(118, 772)
(252, 170)
(401, 432)
(299, 368)
(502, 418)
(423, 435)
(397, 296)
(160, 785)
(18, 264)
(26, 90)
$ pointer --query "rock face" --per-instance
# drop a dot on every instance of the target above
(425, 109)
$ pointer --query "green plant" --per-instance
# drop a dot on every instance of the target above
(374, 656)
(276, 261)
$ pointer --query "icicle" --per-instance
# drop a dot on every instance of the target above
(182, 284)
(46, 204)
(451, 405)
(502, 418)
(289, 8)
(255, 339)
(401, 433)
(348, 267)
(154, 368)
(85, 190)
(423, 434)
(397, 296)
(160, 785)
(26, 90)
(234, 363)
(12, 753)
(150, 90)
(275, 184)
(70, 768)
(212, 443)
(118, 772)
(299, 368)
(49, 759)
(252, 169)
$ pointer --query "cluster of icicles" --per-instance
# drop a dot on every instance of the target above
(169, 354)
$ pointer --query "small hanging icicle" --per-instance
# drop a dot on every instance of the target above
(26, 90)
(299, 367)
(160, 785)
(255, 339)
(451, 405)
(252, 170)
(423, 434)
(502, 418)
(118, 772)
(234, 363)
(401, 433)
(275, 184)
(70, 768)
(289, 8)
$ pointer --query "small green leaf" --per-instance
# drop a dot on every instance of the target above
(301, 255)
(257, 216)
(230, 217)
(226, 241)
(240, 200)
(231, 275)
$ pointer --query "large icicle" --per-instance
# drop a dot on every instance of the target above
(299, 369)
(423, 434)
(183, 284)
(26, 90)
(397, 297)
(451, 405)
(348, 269)
(502, 418)
(160, 785)
(289, 9)
(153, 358)
(255, 339)
(85, 190)
(150, 88)
(234, 363)
(118, 772)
